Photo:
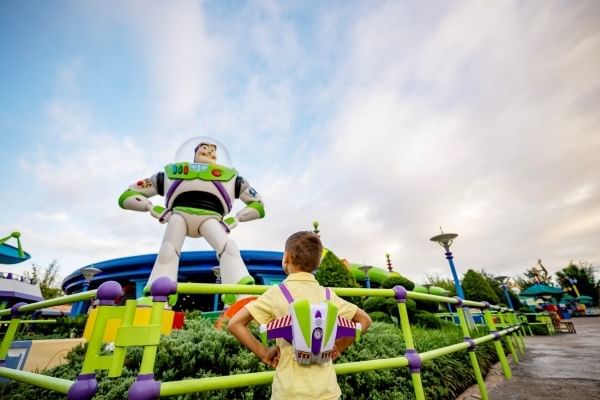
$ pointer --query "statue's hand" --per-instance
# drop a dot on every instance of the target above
(230, 222)
(160, 213)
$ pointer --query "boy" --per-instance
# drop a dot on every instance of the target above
(292, 380)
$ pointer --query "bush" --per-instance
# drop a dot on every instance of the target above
(65, 327)
(426, 319)
(477, 288)
(201, 351)
(380, 317)
(333, 273)
(396, 280)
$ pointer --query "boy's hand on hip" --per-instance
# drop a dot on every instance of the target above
(271, 356)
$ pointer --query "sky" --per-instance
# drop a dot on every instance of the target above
(382, 120)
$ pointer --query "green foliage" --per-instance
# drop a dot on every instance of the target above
(380, 316)
(477, 288)
(333, 273)
(429, 320)
(495, 284)
(47, 279)
(201, 351)
(393, 280)
(586, 281)
(65, 327)
(444, 283)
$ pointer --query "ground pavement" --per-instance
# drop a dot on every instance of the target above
(563, 366)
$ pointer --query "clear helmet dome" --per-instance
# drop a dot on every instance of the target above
(187, 151)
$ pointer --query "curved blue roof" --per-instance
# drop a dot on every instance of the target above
(194, 266)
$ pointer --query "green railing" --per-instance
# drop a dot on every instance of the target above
(148, 336)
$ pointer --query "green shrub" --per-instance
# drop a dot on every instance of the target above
(397, 280)
(426, 319)
(201, 351)
(380, 317)
(333, 273)
(65, 327)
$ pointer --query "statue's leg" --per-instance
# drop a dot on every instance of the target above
(167, 261)
(233, 269)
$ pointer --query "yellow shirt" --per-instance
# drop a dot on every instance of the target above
(294, 381)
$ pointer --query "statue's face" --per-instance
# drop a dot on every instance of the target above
(206, 153)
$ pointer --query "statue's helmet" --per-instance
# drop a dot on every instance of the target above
(203, 147)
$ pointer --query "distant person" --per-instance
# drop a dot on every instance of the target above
(297, 377)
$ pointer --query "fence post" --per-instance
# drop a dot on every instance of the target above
(86, 385)
(519, 332)
(145, 386)
(489, 320)
(13, 325)
(414, 361)
(508, 338)
(473, 357)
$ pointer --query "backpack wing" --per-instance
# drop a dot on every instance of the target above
(347, 328)
(278, 328)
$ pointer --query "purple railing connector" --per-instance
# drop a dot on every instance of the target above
(414, 361)
(14, 310)
(144, 388)
(471, 342)
(84, 388)
(459, 303)
(486, 305)
(497, 336)
(162, 288)
(108, 292)
(400, 294)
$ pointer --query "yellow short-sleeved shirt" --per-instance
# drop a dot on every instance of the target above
(292, 380)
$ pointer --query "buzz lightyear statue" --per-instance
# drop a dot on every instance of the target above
(198, 198)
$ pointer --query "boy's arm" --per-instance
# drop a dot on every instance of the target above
(238, 326)
(342, 344)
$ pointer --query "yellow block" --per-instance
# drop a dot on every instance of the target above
(49, 353)
(141, 318)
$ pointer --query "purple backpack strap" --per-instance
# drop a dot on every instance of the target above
(327, 293)
(286, 293)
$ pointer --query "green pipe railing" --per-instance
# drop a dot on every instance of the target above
(148, 337)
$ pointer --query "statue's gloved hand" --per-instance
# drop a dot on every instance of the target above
(161, 214)
(230, 222)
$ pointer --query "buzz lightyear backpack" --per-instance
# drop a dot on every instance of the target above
(311, 329)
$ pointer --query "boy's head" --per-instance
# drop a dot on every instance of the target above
(302, 250)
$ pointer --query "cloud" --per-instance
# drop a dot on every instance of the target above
(183, 56)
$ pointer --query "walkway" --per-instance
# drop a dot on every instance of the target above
(563, 366)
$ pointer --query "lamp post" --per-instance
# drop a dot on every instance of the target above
(217, 271)
(316, 230)
(504, 285)
(445, 240)
(366, 268)
(88, 274)
(573, 282)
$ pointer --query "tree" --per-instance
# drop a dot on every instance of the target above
(333, 273)
(477, 288)
(444, 283)
(586, 280)
(496, 285)
(47, 279)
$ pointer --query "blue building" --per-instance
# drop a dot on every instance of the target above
(194, 266)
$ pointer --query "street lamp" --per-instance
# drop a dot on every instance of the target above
(573, 282)
(504, 285)
(88, 274)
(366, 268)
(217, 271)
(445, 240)
(316, 230)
